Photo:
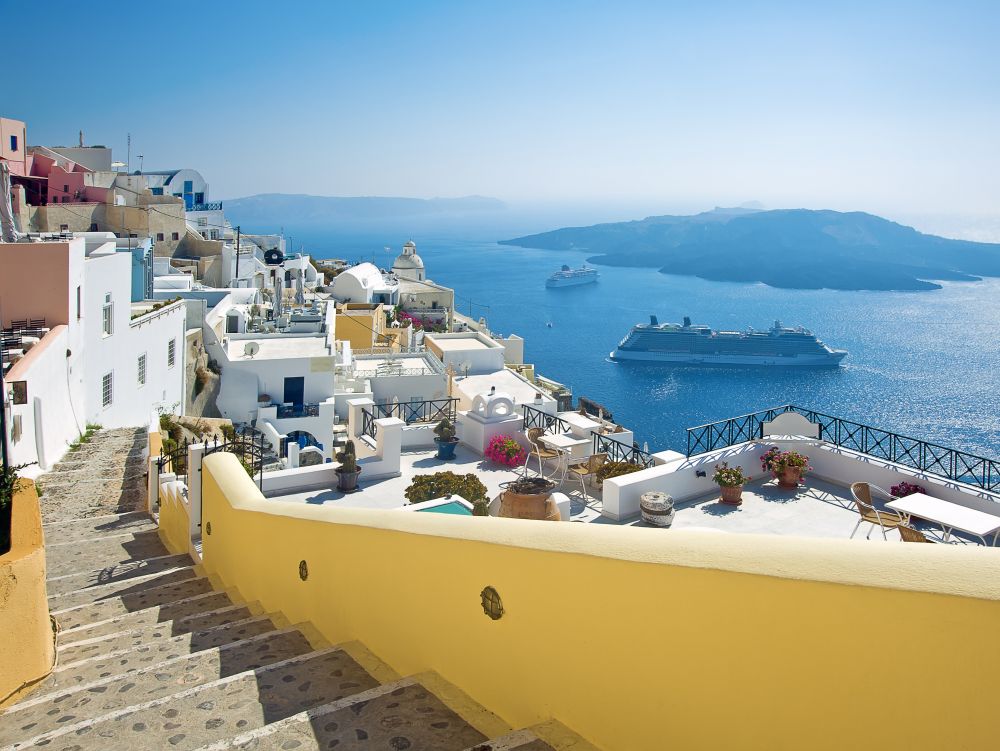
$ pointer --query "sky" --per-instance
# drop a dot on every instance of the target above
(884, 107)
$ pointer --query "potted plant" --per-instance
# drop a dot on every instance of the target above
(787, 467)
(445, 439)
(264, 399)
(529, 498)
(906, 488)
(348, 471)
(730, 481)
(442, 484)
(504, 450)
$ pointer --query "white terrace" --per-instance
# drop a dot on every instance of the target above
(821, 507)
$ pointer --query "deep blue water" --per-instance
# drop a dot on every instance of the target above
(924, 364)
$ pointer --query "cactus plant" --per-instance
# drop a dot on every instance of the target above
(445, 430)
(347, 458)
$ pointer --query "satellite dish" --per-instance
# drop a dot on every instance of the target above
(251, 349)
(273, 257)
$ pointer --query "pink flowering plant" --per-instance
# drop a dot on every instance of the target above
(776, 461)
(729, 477)
(906, 488)
(505, 450)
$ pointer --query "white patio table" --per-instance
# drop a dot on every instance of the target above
(564, 445)
(950, 516)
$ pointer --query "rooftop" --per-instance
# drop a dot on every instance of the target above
(278, 347)
(397, 364)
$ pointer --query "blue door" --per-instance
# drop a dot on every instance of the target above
(294, 391)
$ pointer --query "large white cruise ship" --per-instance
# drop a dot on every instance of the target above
(688, 344)
(567, 277)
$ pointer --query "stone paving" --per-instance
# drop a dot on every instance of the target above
(106, 475)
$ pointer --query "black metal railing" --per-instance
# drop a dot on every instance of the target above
(428, 410)
(368, 426)
(536, 418)
(618, 451)
(297, 410)
(924, 456)
(248, 446)
(175, 460)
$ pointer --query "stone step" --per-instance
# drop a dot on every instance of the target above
(163, 640)
(71, 530)
(89, 685)
(403, 714)
(115, 573)
(210, 712)
(96, 698)
(126, 621)
(98, 553)
(156, 597)
(519, 740)
(148, 621)
(99, 592)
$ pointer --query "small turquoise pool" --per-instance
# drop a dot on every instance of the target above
(451, 507)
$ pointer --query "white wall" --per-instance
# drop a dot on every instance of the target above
(53, 416)
(431, 386)
(118, 353)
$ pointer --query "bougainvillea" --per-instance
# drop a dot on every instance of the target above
(505, 450)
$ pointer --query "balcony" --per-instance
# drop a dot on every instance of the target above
(214, 206)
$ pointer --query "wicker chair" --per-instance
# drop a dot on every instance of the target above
(887, 519)
(911, 534)
(586, 469)
(539, 450)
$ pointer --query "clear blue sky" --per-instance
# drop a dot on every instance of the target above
(876, 106)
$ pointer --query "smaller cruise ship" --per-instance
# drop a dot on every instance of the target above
(567, 277)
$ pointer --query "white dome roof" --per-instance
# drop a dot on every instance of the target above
(408, 259)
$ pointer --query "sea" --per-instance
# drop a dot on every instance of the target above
(921, 364)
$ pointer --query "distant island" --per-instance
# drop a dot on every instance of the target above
(790, 248)
(303, 210)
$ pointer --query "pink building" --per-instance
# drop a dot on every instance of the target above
(14, 145)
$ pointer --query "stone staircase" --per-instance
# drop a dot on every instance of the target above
(150, 656)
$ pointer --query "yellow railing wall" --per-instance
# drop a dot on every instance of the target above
(27, 651)
(638, 638)
(175, 520)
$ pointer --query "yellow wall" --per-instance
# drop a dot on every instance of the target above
(360, 327)
(26, 646)
(639, 638)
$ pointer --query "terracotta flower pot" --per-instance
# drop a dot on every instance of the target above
(790, 477)
(524, 506)
(733, 495)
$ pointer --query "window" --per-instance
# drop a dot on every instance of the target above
(79, 303)
(202, 221)
(107, 389)
(204, 235)
(93, 226)
(13, 143)
(157, 191)
(215, 234)
(159, 237)
(174, 236)
(171, 352)
(132, 234)
(64, 228)
(141, 366)
(65, 189)
(108, 315)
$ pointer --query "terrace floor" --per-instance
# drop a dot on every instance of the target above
(815, 509)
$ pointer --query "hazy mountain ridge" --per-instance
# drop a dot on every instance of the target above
(301, 209)
(793, 248)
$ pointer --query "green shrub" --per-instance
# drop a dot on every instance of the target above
(617, 469)
(228, 431)
(440, 484)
